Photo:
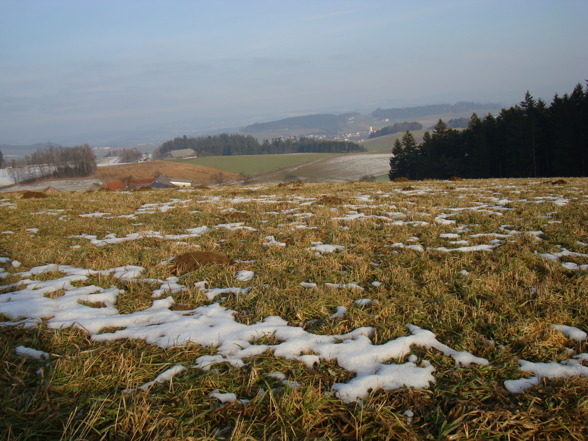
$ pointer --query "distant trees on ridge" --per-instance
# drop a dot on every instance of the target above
(236, 144)
(528, 140)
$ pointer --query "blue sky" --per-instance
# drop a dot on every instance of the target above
(88, 71)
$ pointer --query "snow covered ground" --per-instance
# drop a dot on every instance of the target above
(5, 178)
(27, 300)
(82, 184)
(341, 168)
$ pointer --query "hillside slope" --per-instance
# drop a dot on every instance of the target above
(386, 142)
(145, 170)
(340, 168)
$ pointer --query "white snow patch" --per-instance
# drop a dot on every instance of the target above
(215, 326)
(571, 332)
(271, 241)
(164, 376)
(31, 353)
(245, 276)
(228, 397)
(340, 312)
(323, 248)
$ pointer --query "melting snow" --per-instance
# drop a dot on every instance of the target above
(92, 309)
(31, 353)
(571, 332)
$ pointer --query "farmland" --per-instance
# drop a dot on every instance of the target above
(385, 143)
(196, 173)
(255, 164)
(308, 167)
(372, 310)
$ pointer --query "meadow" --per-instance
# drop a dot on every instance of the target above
(254, 164)
(360, 310)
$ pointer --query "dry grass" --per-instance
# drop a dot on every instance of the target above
(146, 170)
(502, 309)
(193, 260)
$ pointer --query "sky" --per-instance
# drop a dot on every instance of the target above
(76, 71)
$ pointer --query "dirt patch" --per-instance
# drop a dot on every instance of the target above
(559, 182)
(409, 188)
(329, 200)
(191, 261)
(181, 307)
(33, 195)
(293, 184)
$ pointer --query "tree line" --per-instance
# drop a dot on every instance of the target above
(432, 109)
(54, 161)
(530, 139)
(236, 144)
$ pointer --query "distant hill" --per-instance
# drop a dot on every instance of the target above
(11, 151)
(404, 113)
(323, 122)
(357, 127)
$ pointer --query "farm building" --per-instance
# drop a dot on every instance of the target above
(181, 154)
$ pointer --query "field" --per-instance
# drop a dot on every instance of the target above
(385, 143)
(254, 164)
(146, 170)
(416, 310)
(307, 167)
(333, 168)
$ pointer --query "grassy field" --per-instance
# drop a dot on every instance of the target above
(334, 168)
(385, 143)
(145, 170)
(416, 310)
(254, 164)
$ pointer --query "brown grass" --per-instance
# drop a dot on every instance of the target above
(145, 170)
(559, 182)
(329, 200)
(501, 309)
(193, 260)
(33, 195)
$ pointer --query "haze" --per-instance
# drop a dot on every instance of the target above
(76, 71)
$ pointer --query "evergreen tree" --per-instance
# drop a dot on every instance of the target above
(404, 161)
(529, 139)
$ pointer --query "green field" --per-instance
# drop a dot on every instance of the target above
(385, 143)
(255, 164)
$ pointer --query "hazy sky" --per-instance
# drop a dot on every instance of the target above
(88, 70)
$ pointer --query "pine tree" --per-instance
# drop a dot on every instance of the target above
(411, 153)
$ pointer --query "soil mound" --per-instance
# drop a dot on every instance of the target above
(33, 195)
(559, 182)
(330, 200)
(191, 261)
(199, 175)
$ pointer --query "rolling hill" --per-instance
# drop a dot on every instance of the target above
(145, 170)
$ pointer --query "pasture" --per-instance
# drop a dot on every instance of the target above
(373, 310)
(255, 164)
